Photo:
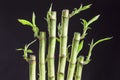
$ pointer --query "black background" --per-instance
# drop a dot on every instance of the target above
(105, 64)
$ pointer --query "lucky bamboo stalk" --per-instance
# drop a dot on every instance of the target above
(78, 73)
(63, 45)
(77, 46)
(42, 46)
(32, 67)
(51, 45)
(73, 57)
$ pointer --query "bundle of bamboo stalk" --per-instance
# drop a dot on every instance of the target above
(76, 62)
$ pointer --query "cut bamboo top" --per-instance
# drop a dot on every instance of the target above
(53, 15)
(77, 36)
(65, 13)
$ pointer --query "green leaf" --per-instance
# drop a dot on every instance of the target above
(80, 46)
(81, 8)
(86, 25)
(50, 9)
(35, 30)
(20, 49)
(34, 27)
(85, 28)
(26, 50)
(25, 22)
(93, 19)
(31, 43)
(84, 22)
(33, 19)
(85, 7)
(59, 30)
(48, 17)
(29, 51)
(101, 40)
(67, 52)
(92, 45)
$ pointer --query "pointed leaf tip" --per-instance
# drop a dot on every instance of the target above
(19, 49)
(93, 19)
(101, 40)
(50, 9)
(29, 51)
(33, 18)
(85, 7)
(80, 46)
(25, 22)
(88, 6)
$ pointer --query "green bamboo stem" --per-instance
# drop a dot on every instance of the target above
(78, 74)
(63, 45)
(51, 46)
(42, 45)
(73, 57)
(32, 67)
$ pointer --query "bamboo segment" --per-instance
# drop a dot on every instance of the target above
(51, 46)
(78, 74)
(42, 46)
(32, 67)
(73, 57)
(63, 45)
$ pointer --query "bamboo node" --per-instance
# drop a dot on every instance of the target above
(62, 56)
(72, 63)
(77, 76)
(50, 57)
(61, 73)
(42, 63)
(65, 13)
(51, 76)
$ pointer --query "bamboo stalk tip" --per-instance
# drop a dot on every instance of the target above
(77, 35)
(65, 13)
(53, 14)
(32, 57)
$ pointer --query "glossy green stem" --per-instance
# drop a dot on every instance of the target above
(63, 45)
(32, 67)
(42, 46)
(73, 57)
(51, 46)
(78, 73)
